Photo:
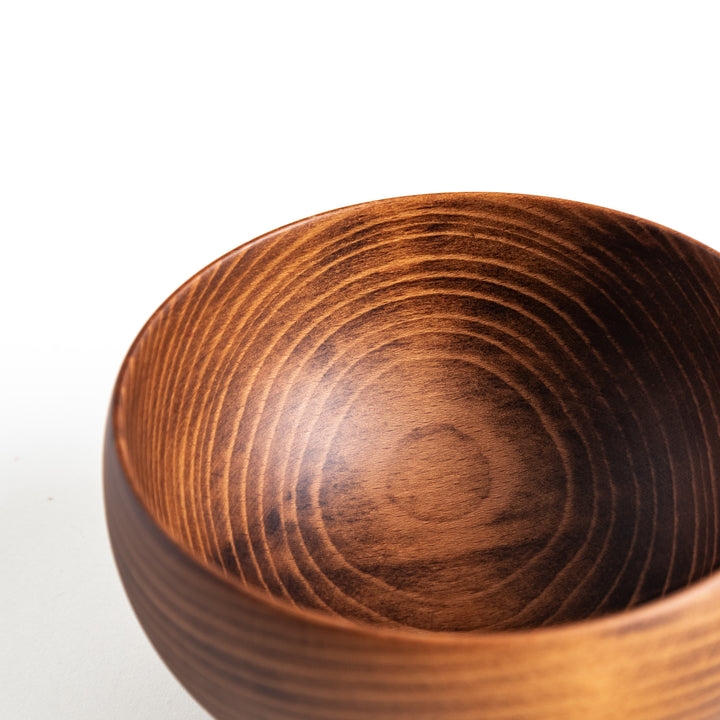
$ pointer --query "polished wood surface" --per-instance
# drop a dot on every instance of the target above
(448, 456)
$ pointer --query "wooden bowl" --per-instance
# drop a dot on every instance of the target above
(438, 457)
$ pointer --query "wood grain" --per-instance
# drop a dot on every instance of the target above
(432, 457)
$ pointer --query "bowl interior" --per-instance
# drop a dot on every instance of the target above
(460, 412)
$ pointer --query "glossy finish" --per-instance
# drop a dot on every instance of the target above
(432, 457)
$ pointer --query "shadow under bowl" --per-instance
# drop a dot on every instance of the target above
(445, 456)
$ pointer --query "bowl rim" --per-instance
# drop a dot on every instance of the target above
(617, 622)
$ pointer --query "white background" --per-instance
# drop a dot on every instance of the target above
(141, 140)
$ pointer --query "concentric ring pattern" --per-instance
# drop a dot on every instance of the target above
(463, 412)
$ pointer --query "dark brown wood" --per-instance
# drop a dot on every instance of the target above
(446, 456)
